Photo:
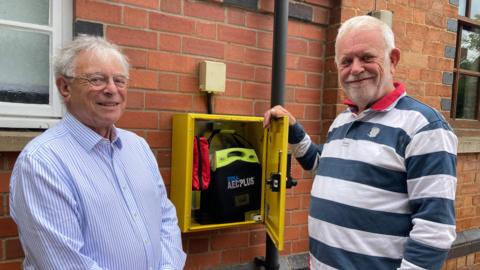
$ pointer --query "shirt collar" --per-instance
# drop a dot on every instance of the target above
(86, 137)
(386, 101)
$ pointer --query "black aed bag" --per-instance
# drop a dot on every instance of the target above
(235, 186)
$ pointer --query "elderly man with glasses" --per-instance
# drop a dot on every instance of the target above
(88, 195)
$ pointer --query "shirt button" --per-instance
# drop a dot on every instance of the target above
(146, 241)
(135, 214)
(124, 187)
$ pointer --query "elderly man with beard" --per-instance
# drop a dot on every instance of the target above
(384, 188)
(88, 195)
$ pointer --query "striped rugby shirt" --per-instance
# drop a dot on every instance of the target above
(83, 202)
(384, 190)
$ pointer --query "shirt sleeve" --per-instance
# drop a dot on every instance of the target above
(303, 149)
(173, 256)
(45, 209)
(430, 161)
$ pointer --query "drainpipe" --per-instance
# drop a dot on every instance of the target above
(280, 33)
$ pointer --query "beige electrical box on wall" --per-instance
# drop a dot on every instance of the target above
(212, 76)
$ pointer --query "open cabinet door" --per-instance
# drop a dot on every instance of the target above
(275, 175)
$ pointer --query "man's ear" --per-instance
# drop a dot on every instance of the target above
(394, 59)
(63, 88)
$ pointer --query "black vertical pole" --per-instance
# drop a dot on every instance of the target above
(280, 33)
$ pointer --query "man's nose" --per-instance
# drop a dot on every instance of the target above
(357, 66)
(110, 88)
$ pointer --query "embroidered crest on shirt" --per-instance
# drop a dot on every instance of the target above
(374, 132)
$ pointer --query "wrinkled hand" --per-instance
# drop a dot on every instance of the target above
(276, 112)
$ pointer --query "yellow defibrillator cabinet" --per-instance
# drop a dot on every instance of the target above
(270, 145)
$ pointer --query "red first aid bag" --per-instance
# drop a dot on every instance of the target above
(201, 164)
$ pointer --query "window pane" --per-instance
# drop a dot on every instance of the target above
(467, 97)
(475, 10)
(24, 66)
(470, 48)
(462, 5)
(29, 11)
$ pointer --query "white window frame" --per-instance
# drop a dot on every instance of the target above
(41, 116)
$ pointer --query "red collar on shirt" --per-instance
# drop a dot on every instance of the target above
(383, 102)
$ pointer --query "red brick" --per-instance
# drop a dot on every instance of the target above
(159, 139)
(299, 217)
(292, 233)
(198, 245)
(142, 3)
(259, 57)
(206, 30)
(203, 261)
(236, 35)
(292, 203)
(239, 71)
(135, 119)
(257, 237)
(164, 158)
(266, 5)
(292, 61)
(234, 52)
(320, 15)
(300, 29)
(316, 80)
(265, 40)
(168, 82)
(227, 241)
(171, 43)
(143, 79)
(171, 23)
(135, 17)
(310, 64)
(259, 21)
(167, 101)
(260, 108)
(13, 249)
(299, 246)
(189, 84)
(136, 99)
(263, 74)
(295, 78)
(136, 58)
(8, 227)
(233, 106)
(236, 16)
(199, 104)
(171, 62)
(130, 37)
(233, 88)
(203, 10)
(4, 181)
(11, 265)
(96, 11)
(203, 47)
(165, 121)
(256, 91)
(298, 46)
(323, 3)
(172, 6)
(241, 255)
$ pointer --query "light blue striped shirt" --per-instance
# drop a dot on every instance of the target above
(83, 202)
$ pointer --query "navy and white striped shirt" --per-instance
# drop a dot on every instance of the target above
(383, 195)
(83, 202)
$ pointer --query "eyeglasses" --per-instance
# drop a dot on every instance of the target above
(99, 81)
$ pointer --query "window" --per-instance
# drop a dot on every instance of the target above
(30, 32)
(467, 62)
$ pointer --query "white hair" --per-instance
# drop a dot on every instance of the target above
(366, 22)
(65, 60)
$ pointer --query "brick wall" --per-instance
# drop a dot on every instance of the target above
(166, 39)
